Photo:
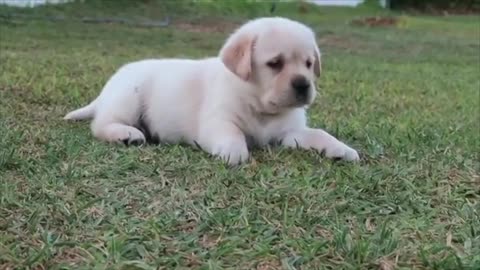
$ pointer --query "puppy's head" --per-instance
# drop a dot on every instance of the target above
(280, 57)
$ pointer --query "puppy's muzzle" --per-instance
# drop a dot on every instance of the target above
(301, 87)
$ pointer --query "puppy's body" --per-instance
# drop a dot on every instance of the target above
(183, 107)
(217, 103)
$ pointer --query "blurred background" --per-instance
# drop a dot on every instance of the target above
(395, 4)
(400, 83)
(465, 5)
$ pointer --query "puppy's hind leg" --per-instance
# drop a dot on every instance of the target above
(115, 122)
(120, 107)
(118, 133)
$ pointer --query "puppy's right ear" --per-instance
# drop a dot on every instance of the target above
(237, 53)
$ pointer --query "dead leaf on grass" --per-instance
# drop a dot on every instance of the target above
(206, 27)
(324, 233)
(6, 266)
(209, 241)
(269, 264)
(188, 227)
(95, 212)
(449, 239)
(377, 21)
(71, 256)
(193, 260)
(370, 224)
(386, 264)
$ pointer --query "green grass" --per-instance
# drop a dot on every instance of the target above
(406, 96)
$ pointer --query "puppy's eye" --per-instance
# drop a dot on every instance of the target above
(275, 64)
(308, 64)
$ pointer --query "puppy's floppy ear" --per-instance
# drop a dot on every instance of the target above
(236, 54)
(317, 65)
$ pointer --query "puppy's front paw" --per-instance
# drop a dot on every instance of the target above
(232, 152)
(341, 151)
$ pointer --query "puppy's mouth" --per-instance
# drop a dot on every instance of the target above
(275, 105)
(279, 107)
(296, 102)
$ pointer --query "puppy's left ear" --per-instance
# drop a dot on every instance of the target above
(237, 53)
(317, 65)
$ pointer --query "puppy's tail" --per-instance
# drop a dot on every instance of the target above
(84, 113)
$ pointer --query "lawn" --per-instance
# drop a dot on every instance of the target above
(405, 95)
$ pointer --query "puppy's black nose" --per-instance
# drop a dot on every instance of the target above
(301, 86)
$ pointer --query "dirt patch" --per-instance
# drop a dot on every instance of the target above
(206, 26)
(370, 224)
(193, 261)
(269, 264)
(323, 233)
(387, 263)
(444, 11)
(341, 42)
(71, 256)
(188, 226)
(335, 41)
(209, 241)
(7, 266)
(376, 21)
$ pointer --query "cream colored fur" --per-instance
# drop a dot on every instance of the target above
(216, 103)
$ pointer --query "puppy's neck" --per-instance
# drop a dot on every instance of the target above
(264, 116)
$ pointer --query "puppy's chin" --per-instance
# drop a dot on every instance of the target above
(273, 103)
(278, 107)
(272, 108)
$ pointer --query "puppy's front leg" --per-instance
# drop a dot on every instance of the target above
(321, 141)
(226, 141)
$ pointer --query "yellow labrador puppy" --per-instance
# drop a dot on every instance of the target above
(256, 91)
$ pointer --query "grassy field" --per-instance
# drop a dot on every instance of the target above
(405, 95)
